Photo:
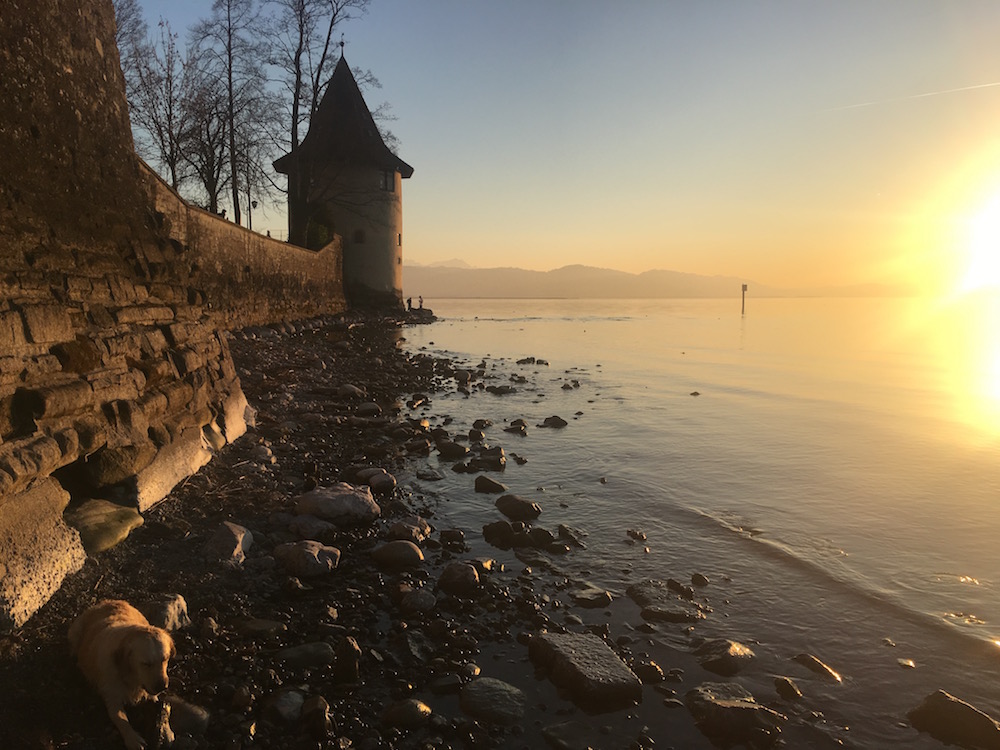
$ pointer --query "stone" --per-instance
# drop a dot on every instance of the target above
(955, 722)
(37, 550)
(787, 689)
(113, 465)
(102, 524)
(261, 628)
(316, 717)
(487, 485)
(187, 718)
(347, 668)
(588, 668)
(307, 558)
(450, 449)
(342, 504)
(813, 664)
(728, 712)
(347, 390)
(554, 421)
(492, 700)
(592, 597)
(168, 611)
(382, 484)
(398, 555)
(668, 613)
(369, 409)
(418, 601)
(229, 543)
(307, 655)
(516, 508)
(284, 706)
(409, 713)
(459, 579)
(499, 534)
(311, 527)
(723, 656)
(173, 463)
(699, 580)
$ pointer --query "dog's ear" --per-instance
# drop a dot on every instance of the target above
(122, 657)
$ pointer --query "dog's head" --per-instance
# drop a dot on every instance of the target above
(141, 658)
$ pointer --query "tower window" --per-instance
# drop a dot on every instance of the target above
(399, 239)
(388, 181)
(359, 237)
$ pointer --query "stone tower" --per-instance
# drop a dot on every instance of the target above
(350, 184)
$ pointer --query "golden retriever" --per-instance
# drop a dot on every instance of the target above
(124, 657)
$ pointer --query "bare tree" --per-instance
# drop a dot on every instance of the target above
(233, 44)
(157, 104)
(208, 134)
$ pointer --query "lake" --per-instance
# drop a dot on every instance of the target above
(830, 464)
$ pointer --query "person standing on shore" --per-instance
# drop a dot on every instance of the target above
(421, 300)
(409, 304)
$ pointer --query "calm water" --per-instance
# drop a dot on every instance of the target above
(837, 477)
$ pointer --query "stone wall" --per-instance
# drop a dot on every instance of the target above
(116, 380)
(248, 278)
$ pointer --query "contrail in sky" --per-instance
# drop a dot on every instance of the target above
(914, 96)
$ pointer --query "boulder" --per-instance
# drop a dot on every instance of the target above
(342, 504)
(813, 664)
(102, 524)
(307, 655)
(37, 550)
(408, 713)
(485, 484)
(588, 668)
(727, 712)
(229, 543)
(554, 421)
(398, 555)
(168, 611)
(459, 579)
(955, 722)
(307, 558)
(723, 656)
(516, 508)
(492, 700)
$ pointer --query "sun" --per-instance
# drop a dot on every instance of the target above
(983, 265)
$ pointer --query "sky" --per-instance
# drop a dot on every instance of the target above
(789, 142)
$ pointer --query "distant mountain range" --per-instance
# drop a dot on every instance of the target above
(586, 282)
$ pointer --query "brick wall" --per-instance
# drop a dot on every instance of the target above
(248, 278)
(116, 380)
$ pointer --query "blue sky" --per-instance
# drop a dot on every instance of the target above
(788, 142)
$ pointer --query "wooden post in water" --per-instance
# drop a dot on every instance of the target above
(743, 305)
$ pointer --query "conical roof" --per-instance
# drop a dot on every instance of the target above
(343, 131)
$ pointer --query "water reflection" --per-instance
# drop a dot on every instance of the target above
(963, 338)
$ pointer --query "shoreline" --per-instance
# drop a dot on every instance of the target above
(237, 665)
(373, 656)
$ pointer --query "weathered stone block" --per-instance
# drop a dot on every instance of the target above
(46, 324)
(150, 315)
(588, 667)
(102, 524)
(56, 401)
(78, 356)
(12, 337)
(175, 462)
(113, 465)
(37, 550)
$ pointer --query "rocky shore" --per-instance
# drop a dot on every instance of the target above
(320, 596)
